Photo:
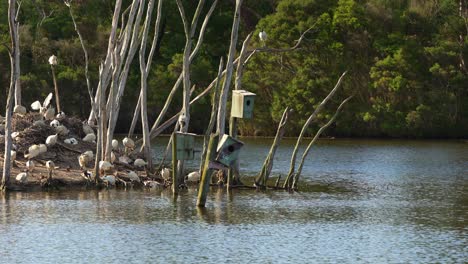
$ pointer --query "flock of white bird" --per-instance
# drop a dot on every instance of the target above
(106, 168)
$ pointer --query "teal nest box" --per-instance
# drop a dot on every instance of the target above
(242, 104)
(228, 150)
(185, 143)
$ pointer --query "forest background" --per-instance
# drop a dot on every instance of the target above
(405, 61)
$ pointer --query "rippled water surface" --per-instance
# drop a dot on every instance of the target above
(398, 202)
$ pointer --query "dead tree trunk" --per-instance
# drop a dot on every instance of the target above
(17, 59)
(214, 110)
(233, 172)
(145, 69)
(179, 80)
(88, 82)
(317, 135)
(262, 178)
(229, 68)
(288, 181)
(9, 105)
(184, 118)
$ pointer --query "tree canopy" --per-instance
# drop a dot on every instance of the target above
(405, 61)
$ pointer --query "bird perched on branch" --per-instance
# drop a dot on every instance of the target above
(19, 109)
(263, 37)
(133, 176)
(115, 144)
(105, 166)
(87, 129)
(91, 137)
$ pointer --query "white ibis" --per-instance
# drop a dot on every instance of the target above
(83, 160)
(90, 154)
(19, 109)
(91, 137)
(133, 176)
(263, 37)
(54, 123)
(60, 114)
(139, 163)
(115, 144)
(13, 156)
(129, 144)
(49, 114)
(105, 166)
(22, 177)
(166, 174)
(53, 60)
(33, 151)
(109, 180)
(193, 176)
(87, 129)
(36, 106)
(42, 148)
(30, 165)
(51, 140)
(50, 165)
(125, 160)
(15, 135)
(113, 157)
(62, 130)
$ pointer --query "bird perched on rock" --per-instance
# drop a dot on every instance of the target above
(193, 176)
(51, 140)
(133, 176)
(129, 144)
(19, 109)
(91, 137)
(22, 178)
(30, 165)
(139, 163)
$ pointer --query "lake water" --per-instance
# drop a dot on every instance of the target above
(398, 202)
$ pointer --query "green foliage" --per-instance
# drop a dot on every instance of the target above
(403, 59)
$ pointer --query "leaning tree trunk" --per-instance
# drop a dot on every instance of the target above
(229, 68)
(262, 178)
(317, 135)
(288, 181)
(11, 90)
(211, 123)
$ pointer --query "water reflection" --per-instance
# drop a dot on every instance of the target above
(374, 202)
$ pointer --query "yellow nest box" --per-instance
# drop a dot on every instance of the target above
(242, 104)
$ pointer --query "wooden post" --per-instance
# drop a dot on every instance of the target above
(206, 174)
(175, 186)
